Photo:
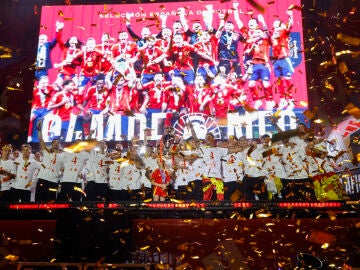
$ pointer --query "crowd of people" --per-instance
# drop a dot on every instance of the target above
(294, 167)
(176, 71)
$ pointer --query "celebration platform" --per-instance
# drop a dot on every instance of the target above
(178, 235)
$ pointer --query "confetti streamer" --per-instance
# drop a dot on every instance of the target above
(256, 5)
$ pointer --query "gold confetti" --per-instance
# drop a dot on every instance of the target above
(11, 257)
(81, 146)
(296, 7)
(256, 5)
(352, 110)
(144, 248)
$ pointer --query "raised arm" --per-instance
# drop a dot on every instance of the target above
(237, 19)
(40, 135)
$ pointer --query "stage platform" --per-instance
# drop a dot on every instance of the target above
(186, 209)
(179, 235)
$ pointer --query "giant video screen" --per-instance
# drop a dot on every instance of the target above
(118, 71)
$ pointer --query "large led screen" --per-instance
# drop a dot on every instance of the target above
(117, 71)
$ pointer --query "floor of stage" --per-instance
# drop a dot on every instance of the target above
(179, 235)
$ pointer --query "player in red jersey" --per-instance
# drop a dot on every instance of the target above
(195, 95)
(259, 69)
(95, 101)
(173, 101)
(151, 57)
(222, 99)
(105, 48)
(62, 104)
(67, 70)
(125, 48)
(206, 49)
(153, 96)
(182, 62)
(96, 96)
(117, 108)
(283, 68)
(42, 95)
(164, 43)
(90, 61)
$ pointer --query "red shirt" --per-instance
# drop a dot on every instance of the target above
(64, 110)
(134, 95)
(147, 55)
(124, 50)
(105, 64)
(95, 100)
(68, 55)
(155, 93)
(78, 100)
(280, 44)
(41, 98)
(209, 48)
(160, 177)
(221, 101)
(196, 98)
(173, 98)
(260, 52)
(182, 57)
(90, 62)
(119, 100)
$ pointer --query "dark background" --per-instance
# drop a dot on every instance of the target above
(333, 81)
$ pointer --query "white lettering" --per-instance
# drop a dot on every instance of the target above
(51, 127)
(120, 128)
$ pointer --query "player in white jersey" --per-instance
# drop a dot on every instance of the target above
(254, 185)
(212, 178)
(185, 172)
(26, 172)
(321, 170)
(97, 186)
(272, 166)
(7, 173)
(297, 185)
(50, 170)
(233, 172)
(135, 181)
(71, 183)
(150, 165)
(118, 182)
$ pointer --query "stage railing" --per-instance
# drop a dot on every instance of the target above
(79, 266)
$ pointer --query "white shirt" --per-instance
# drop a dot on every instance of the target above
(272, 164)
(232, 165)
(184, 172)
(98, 167)
(150, 165)
(253, 162)
(293, 160)
(50, 167)
(26, 173)
(212, 160)
(9, 166)
(73, 164)
(123, 176)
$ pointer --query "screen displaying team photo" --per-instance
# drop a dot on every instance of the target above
(116, 72)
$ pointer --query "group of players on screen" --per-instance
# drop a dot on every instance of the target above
(179, 70)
